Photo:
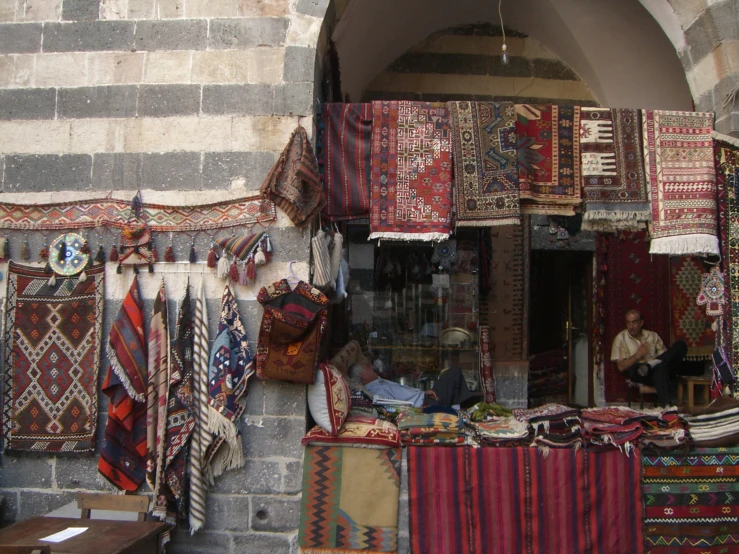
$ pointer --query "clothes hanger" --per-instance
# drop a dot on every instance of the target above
(292, 279)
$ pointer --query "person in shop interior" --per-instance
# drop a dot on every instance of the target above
(642, 355)
(450, 390)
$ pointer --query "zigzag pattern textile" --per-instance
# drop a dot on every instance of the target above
(350, 500)
(692, 502)
(727, 161)
(52, 357)
(517, 501)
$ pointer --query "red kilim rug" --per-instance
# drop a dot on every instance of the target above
(634, 280)
(52, 356)
(689, 321)
(411, 186)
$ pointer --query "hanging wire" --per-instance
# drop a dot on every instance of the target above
(504, 48)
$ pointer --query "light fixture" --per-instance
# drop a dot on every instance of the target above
(504, 48)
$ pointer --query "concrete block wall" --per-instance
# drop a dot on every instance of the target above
(190, 101)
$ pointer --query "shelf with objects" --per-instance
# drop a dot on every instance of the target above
(414, 307)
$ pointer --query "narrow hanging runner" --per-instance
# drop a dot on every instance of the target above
(171, 503)
(411, 186)
(201, 437)
(229, 369)
(678, 152)
(123, 453)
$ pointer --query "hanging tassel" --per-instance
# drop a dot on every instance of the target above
(52, 280)
(119, 269)
(243, 279)
(113, 254)
(136, 269)
(137, 204)
(151, 268)
(47, 268)
(223, 267)
(3, 249)
(251, 269)
(25, 251)
(86, 250)
(259, 257)
(193, 254)
(154, 254)
(169, 254)
(212, 258)
(233, 272)
(268, 249)
(100, 256)
(83, 276)
(44, 254)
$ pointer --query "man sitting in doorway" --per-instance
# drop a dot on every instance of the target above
(642, 354)
(450, 390)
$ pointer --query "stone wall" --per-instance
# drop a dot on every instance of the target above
(190, 101)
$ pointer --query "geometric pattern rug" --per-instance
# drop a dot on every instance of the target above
(692, 502)
(689, 320)
(350, 500)
(52, 356)
(494, 500)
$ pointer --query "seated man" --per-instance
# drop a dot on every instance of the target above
(450, 390)
(642, 353)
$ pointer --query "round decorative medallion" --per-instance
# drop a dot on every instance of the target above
(66, 256)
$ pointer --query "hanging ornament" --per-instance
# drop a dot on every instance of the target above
(100, 256)
(169, 252)
(212, 257)
(233, 272)
(25, 251)
(193, 254)
(251, 269)
(114, 254)
(67, 256)
(247, 248)
(137, 204)
(136, 246)
(243, 278)
(712, 292)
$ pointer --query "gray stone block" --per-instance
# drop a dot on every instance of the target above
(289, 243)
(23, 472)
(403, 516)
(272, 514)
(221, 169)
(278, 437)
(171, 171)
(80, 10)
(19, 38)
(247, 33)
(78, 473)
(256, 477)
(29, 103)
(88, 36)
(40, 503)
(106, 101)
(284, 399)
(184, 34)
(294, 99)
(293, 478)
(255, 396)
(203, 542)
(116, 172)
(316, 8)
(404, 544)
(261, 543)
(48, 172)
(237, 99)
(725, 15)
(552, 69)
(10, 512)
(300, 64)
(168, 100)
(226, 513)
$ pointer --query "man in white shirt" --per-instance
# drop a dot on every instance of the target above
(643, 355)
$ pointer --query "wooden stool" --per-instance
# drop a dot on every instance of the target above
(692, 382)
(642, 389)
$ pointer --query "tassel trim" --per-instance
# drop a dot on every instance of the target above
(230, 455)
(693, 244)
(122, 375)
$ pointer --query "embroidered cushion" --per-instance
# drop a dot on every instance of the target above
(358, 431)
(329, 399)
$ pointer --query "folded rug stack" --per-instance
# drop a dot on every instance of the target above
(614, 426)
(666, 430)
(502, 431)
(431, 429)
(716, 424)
(552, 426)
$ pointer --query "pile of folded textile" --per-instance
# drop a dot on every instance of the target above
(716, 424)
(431, 429)
(666, 429)
(502, 431)
(553, 426)
(613, 426)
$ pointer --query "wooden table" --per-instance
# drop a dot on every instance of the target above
(691, 383)
(102, 536)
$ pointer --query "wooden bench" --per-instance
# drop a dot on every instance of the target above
(691, 383)
(87, 501)
(15, 549)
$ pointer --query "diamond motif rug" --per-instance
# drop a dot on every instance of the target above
(691, 502)
(613, 179)
(678, 153)
(52, 358)
(411, 186)
(350, 500)
(548, 158)
(485, 165)
(689, 321)
(728, 172)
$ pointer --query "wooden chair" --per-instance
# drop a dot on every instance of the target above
(642, 390)
(87, 501)
(45, 549)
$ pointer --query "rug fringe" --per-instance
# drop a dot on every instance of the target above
(122, 375)
(694, 244)
(725, 138)
(489, 222)
(231, 455)
(438, 237)
(616, 215)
